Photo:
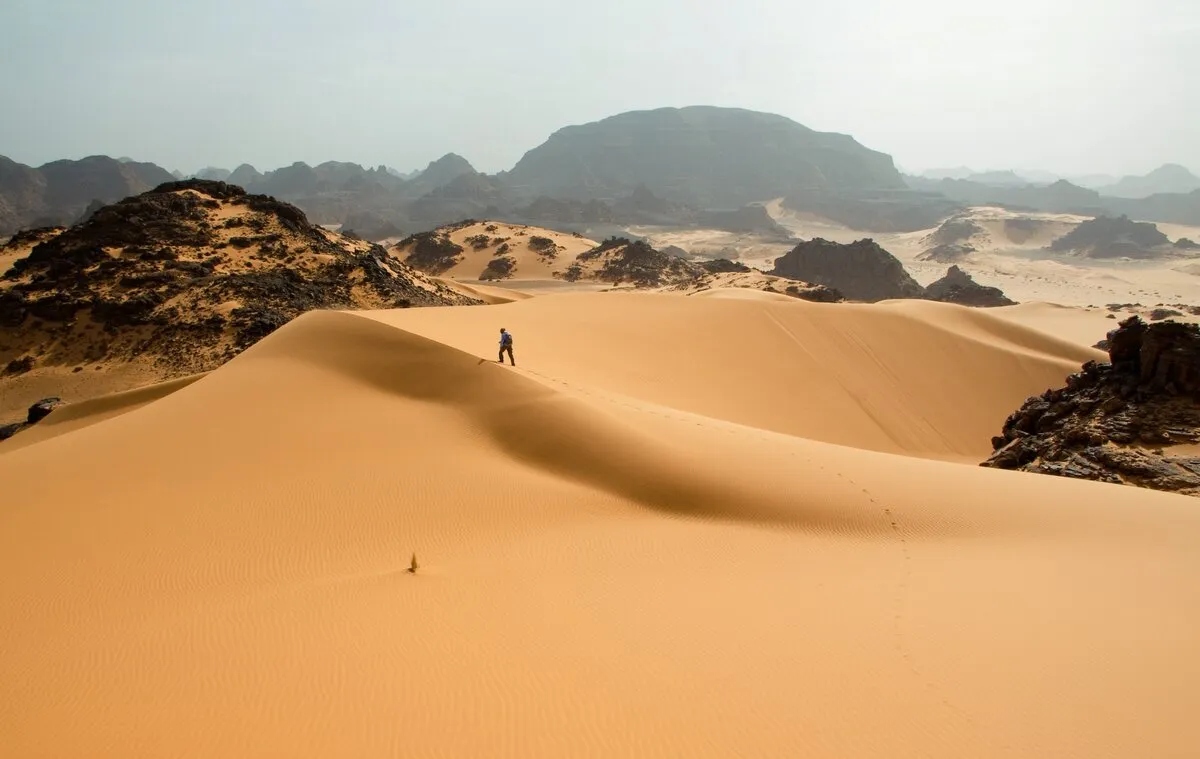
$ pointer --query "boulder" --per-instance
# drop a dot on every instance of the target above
(958, 287)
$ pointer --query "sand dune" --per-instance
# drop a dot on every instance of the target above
(678, 528)
(860, 375)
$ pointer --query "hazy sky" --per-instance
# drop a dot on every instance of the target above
(1069, 86)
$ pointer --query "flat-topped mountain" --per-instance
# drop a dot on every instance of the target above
(701, 155)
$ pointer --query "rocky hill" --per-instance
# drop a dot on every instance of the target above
(1134, 420)
(619, 260)
(860, 270)
(958, 287)
(183, 277)
(703, 156)
(59, 192)
(1106, 237)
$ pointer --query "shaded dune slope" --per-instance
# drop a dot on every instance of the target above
(909, 377)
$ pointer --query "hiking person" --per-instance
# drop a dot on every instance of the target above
(506, 346)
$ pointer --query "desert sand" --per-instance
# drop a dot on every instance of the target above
(681, 526)
(1016, 261)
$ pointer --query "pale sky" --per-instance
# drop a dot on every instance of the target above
(1070, 86)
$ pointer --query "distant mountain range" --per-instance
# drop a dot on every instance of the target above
(1064, 197)
(59, 192)
(1169, 178)
(696, 166)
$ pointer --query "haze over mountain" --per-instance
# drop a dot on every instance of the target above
(58, 192)
(1169, 178)
(495, 82)
(703, 155)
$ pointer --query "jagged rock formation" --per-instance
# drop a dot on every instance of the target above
(1107, 237)
(1184, 243)
(58, 192)
(958, 287)
(187, 275)
(703, 156)
(860, 271)
(1118, 421)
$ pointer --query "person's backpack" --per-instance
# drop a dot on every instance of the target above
(507, 339)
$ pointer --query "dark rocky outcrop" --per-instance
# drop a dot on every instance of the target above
(499, 267)
(860, 270)
(1107, 237)
(431, 252)
(1117, 421)
(1184, 243)
(36, 413)
(958, 287)
(722, 265)
(187, 275)
(619, 260)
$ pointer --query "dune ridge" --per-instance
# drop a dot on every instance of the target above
(617, 555)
